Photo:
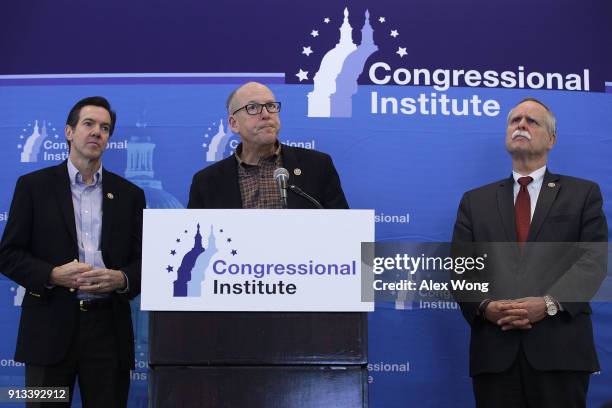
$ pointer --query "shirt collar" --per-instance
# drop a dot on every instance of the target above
(274, 157)
(537, 175)
(75, 175)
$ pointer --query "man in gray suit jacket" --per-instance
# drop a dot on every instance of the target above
(531, 337)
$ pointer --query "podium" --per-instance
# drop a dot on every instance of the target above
(285, 356)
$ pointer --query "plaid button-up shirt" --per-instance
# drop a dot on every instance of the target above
(257, 186)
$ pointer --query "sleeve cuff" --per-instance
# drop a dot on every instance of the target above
(127, 285)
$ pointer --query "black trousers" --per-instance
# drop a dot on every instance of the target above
(523, 387)
(92, 360)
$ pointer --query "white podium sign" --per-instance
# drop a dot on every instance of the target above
(254, 260)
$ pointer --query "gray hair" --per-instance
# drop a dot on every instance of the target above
(230, 99)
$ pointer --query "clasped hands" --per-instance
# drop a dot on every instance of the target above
(516, 314)
(84, 277)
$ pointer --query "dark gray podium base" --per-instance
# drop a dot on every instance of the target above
(258, 387)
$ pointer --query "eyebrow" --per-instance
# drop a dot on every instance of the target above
(93, 120)
(518, 116)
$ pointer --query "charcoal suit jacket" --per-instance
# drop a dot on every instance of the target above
(565, 256)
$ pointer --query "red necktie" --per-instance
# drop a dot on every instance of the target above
(522, 211)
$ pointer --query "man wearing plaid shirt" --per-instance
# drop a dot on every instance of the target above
(245, 179)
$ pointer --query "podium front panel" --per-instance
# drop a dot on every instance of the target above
(264, 338)
(259, 387)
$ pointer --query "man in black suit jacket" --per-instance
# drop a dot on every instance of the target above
(531, 336)
(75, 319)
(245, 179)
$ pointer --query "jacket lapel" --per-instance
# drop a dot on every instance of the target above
(64, 198)
(505, 206)
(291, 163)
(548, 193)
(231, 186)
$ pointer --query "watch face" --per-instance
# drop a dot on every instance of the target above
(551, 307)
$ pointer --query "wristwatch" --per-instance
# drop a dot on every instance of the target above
(551, 306)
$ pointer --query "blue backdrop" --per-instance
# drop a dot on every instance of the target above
(372, 76)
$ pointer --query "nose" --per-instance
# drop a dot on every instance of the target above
(96, 130)
(264, 113)
(522, 123)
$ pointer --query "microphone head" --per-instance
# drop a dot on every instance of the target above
(281, 172)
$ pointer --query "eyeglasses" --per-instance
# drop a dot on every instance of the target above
(256, 108)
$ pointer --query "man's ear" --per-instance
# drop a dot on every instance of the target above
(552, 140)
(233, 124)
(68, 132)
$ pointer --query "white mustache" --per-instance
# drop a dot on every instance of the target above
(522, 133)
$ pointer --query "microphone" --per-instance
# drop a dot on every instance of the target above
(301, 193)
(281, 175)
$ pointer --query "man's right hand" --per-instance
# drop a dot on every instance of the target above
(504, 314)
(66, 275)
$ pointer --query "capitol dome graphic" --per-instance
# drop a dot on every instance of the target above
(191, 272)
(139, 170)
(335, 82)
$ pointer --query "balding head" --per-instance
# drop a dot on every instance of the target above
(235, 100)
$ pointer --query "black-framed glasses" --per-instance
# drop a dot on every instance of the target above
(256, 108)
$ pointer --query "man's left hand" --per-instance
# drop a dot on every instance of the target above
(101, 280)
(535, 306)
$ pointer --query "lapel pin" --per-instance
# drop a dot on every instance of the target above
(110, 196)
(551, 185)
(297, 172)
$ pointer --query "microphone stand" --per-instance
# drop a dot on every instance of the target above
(301, 193)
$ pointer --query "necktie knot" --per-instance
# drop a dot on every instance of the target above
(524, 181)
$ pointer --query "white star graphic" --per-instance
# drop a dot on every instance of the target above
(381, 19)
(401, 51)
(394, 33)
(314, 33)
(302, 75)
(326, 20)
(307, 51)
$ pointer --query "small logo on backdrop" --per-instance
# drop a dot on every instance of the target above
(191, 266)
(216, 145)
(19, 294)
(31, 141)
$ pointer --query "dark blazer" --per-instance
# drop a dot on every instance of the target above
(568, 210)
(217, 186)
(41, 234)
